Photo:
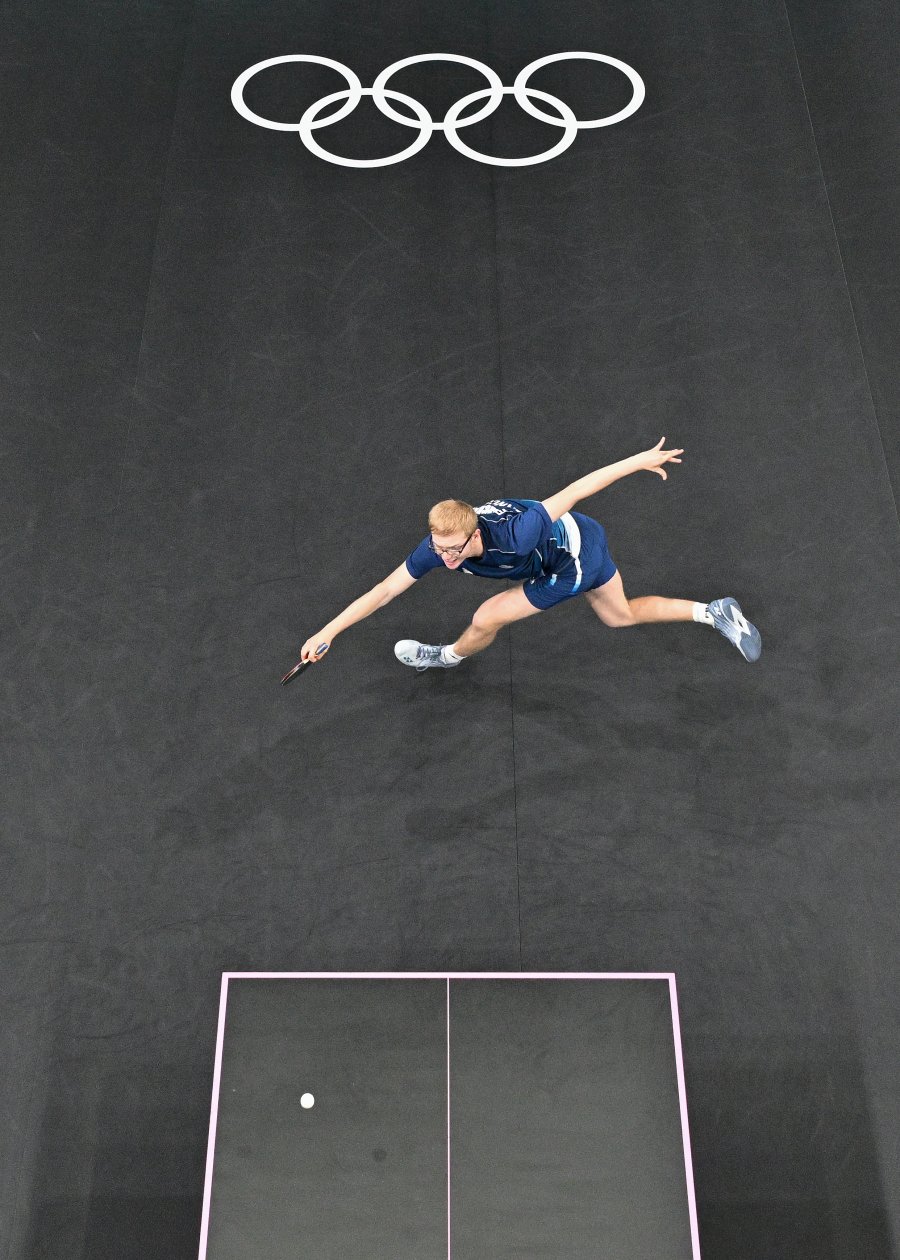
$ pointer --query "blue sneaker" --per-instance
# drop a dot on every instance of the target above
(420, 655)
(730, 621)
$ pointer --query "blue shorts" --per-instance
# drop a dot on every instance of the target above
(591, 566)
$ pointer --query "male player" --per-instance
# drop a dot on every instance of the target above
(551, 553)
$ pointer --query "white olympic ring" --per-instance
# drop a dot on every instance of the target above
(307, 123)
(354, 92)
(495, 94)
(570, 122)
(237, 90)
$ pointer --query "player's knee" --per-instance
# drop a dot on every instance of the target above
(619, 617)
(483, 620)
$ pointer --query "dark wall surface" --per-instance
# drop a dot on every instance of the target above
(233, 379)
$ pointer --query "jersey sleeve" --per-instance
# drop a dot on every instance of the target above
(526, 531)
(419, 562)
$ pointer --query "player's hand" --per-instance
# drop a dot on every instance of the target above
(314, 648)
(654, 459)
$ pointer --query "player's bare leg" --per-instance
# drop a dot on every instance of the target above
(489, 619)
(613, 608)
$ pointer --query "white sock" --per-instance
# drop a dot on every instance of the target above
(449, 657)
(702, 613)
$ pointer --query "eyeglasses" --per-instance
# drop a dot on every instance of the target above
(450, 551)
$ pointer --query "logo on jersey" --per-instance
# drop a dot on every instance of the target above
(498, 507)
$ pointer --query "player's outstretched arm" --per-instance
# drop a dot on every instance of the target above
(651, 461)
(392, 586)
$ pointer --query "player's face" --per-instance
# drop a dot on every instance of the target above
(454, 548)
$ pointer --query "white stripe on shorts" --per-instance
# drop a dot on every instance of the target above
(573, 541)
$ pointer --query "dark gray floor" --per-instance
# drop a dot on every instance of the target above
(234, 378)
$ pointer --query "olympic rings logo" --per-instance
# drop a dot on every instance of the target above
(452, 121)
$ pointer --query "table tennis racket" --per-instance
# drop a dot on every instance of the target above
(302, 665)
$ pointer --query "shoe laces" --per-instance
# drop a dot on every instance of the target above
(425, 653)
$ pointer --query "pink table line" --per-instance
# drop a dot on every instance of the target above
(685, 1132)
(448, 975)
(448, 1120)
(213, 1119)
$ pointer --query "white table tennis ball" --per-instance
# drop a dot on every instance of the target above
(307, 1101)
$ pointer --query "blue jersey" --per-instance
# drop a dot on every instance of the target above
(520, 541)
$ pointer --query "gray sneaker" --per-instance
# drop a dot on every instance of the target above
(420, 655)
(730, 621)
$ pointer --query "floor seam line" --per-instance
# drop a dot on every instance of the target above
(18, 1183)
(840, 253)
(512, 711)
(512, 708)
(141, 345)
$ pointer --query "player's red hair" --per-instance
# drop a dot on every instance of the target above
(452, 516)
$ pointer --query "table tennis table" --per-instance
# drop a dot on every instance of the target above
(466, 1116)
